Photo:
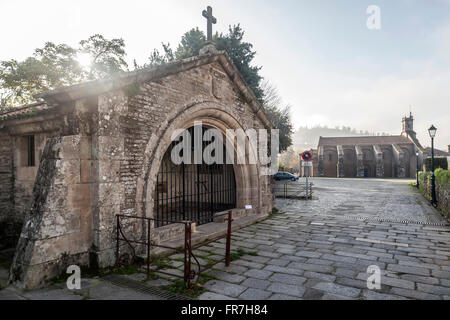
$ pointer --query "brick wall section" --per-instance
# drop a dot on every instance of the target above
(6, 177)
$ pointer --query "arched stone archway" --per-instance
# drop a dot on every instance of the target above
(211, 115)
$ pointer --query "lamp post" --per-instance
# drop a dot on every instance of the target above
(432, 132)
(417, 169)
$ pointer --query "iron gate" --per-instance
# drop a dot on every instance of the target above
(192, 192)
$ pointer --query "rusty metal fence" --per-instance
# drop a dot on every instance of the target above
(189, 273)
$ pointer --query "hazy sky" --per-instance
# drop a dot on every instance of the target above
(320, 54)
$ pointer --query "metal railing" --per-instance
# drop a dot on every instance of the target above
(189, 273)
(293, 190)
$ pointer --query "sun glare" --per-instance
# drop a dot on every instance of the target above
(84, 59)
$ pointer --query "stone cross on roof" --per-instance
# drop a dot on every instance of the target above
(211, 20)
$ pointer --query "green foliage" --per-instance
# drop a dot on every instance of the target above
(127, 270)
(160, 262)
(236, 255)
(190, 44)
(179, 287)
(156, 58)
(107, 56)
(54, 66)
(59, 65)
(19, 81)
(242, 55)
(439, 162)
(442, 176)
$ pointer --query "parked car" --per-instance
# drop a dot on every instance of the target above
(285, 176)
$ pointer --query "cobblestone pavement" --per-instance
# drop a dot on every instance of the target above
(373, 198)
(303, 254)
(318, 249)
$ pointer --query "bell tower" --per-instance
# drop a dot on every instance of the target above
(408, 126)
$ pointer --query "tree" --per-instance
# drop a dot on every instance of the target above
(240, 52)
(242, 55)
(190, 44)
(156, 58)
(54, 66)
(19, 81)
(50, 67)
(278, 114)
(107, 56)
(60, 65)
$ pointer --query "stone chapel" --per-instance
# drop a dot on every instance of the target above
(88, 152)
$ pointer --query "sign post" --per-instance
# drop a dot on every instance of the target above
(307, 163)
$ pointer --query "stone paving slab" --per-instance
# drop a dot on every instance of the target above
(255, 294)
(327, 258)
(292, 290)
(225, 288)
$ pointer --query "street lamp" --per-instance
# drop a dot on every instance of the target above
(432, 132)
(417, 169)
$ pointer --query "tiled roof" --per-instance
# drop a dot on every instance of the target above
(24, 111)
(437, 152)
(369, 140)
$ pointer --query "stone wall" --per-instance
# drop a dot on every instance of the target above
(58, 228)
(6, 178)
(24, 176)
(9, 223)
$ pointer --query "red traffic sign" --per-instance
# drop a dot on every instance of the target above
(307, 156)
